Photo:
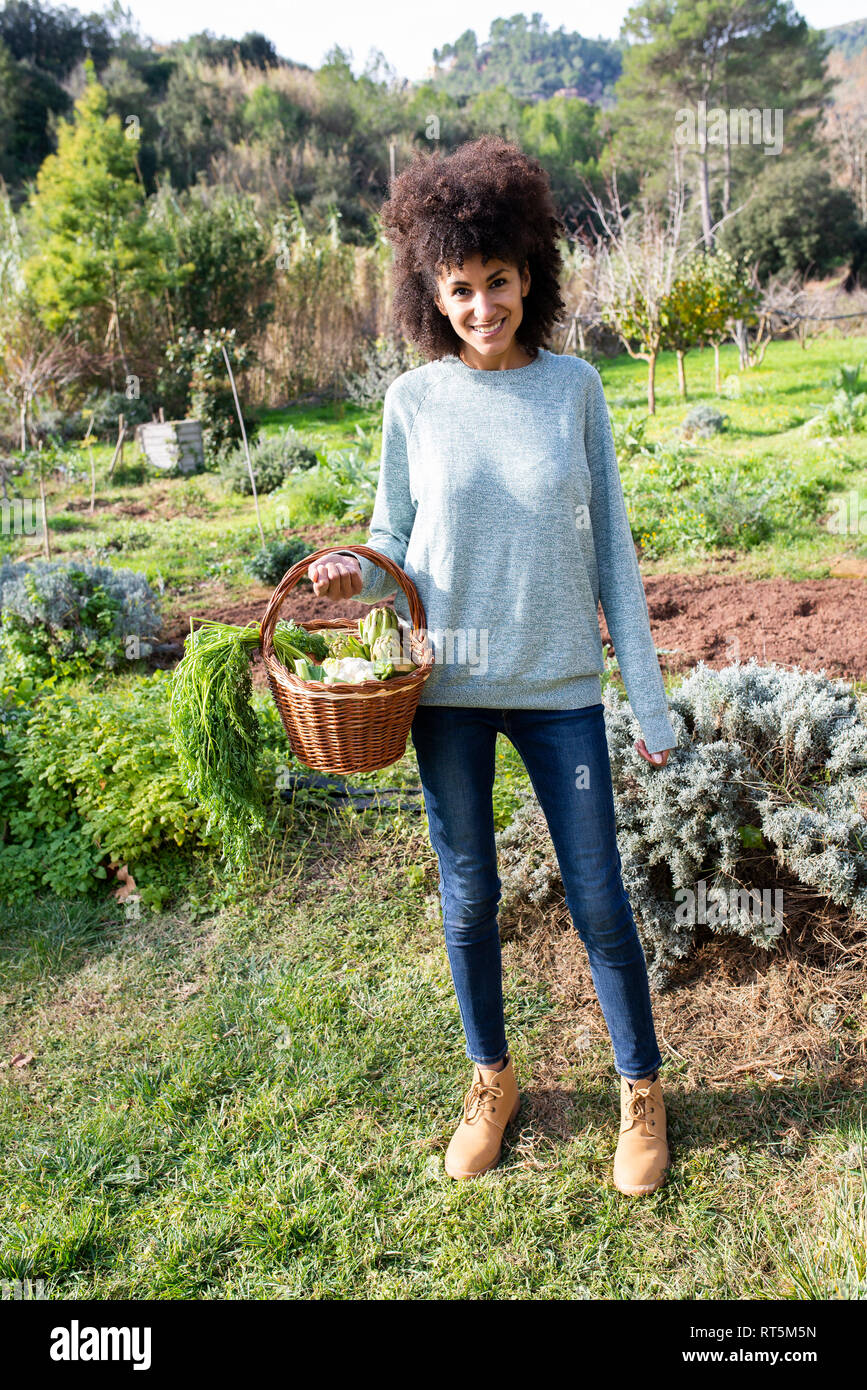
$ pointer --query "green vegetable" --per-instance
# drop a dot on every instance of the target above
(307, 670)
(375, 624)
(347, 644)
(311, 643)
(215, 731)
(382, 669)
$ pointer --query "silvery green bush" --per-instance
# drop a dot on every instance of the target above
(62, 616)
(767, 759)
(384, 359)
(273, 456)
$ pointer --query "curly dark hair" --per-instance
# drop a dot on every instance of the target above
(486, 198)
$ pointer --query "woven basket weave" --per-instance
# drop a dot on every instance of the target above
(345, 727)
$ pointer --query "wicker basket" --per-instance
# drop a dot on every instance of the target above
(347, 727)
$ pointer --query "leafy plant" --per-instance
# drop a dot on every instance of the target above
(704, 421)
(214, 727)
(760, 751)
(62, 618)
(198, 357)
(270, 565)
(274, 457)
(356, 472)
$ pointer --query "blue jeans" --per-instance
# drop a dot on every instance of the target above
(455, 749)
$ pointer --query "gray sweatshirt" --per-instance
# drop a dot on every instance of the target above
(500, 497)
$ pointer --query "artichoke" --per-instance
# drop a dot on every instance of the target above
(382, 669)
(388, 648)
(346, 644)
(375, 624)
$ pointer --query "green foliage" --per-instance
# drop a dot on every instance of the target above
(355, 471)
(96, 247)
(846, 412)
(90, 782)
(710, 291)
(220, 248)
(274, 458)
(629, 435)
(215, 730)
(270, 565)
(198, 358)
(673, 505)
(797, 221)
(63, 619)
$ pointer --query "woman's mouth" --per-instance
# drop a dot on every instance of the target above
(490, 331)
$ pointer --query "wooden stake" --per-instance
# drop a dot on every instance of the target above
(46, 543)
(246, 446)
(92, 483)
(119, 445)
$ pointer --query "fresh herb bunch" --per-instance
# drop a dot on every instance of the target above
(214, 727)
(216, 734)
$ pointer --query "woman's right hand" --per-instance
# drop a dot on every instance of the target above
(335, 576)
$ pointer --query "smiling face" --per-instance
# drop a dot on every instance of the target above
(484, 304)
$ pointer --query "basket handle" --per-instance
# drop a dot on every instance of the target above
(292, 576)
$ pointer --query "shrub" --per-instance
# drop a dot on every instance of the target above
(312, 497)
(703, 421)
(91, 782)
(846, 412)
(270, 565)
(768, 760)
(274, 457)
(383, 360)
(356, 472)
(62, 618)
(107, 406)
(629, 435)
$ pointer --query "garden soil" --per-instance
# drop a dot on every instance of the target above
(819, 624)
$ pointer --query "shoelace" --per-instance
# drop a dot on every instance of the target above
(479, 1092)
(635, 1106)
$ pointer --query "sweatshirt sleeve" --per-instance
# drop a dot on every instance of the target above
(393, 509)
(621, 590)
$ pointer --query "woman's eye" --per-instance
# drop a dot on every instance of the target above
(462, 288)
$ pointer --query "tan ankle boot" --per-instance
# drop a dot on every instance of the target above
(642, 1159)
(490, 1103)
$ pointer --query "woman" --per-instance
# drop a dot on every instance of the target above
(499, 495)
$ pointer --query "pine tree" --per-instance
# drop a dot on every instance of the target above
(96, 248)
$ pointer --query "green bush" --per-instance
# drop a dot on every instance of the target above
(270, 565)
(274, 458)
(93, 781)
(312, 497)
(63, 618)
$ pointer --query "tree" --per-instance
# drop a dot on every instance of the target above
(709, 293)
(220, 255)
(797, 221)
(639, 258)
(731, 55)
(97, 249)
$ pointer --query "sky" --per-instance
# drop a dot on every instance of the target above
(406, 34)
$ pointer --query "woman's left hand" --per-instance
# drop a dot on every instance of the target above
(655, 759)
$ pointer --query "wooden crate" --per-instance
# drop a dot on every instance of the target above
(176, 444)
